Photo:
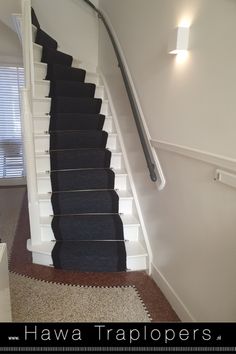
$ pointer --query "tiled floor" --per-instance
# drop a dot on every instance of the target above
(156, 303)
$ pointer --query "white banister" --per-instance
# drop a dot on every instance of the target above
(30, 164)
(27, 41)
(27, 95)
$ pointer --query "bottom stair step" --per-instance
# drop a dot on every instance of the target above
(89, 256)
(136, 255)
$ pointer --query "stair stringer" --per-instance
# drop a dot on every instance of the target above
(144, 240)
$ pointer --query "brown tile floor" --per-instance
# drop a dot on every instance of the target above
(155, 302)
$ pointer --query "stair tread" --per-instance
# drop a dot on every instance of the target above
(45, 154)
(47, 135)
(35, 116)
(121, 194)
(133, 248)
(128, 220)
(39, 63)
(47, 82)
(45, 175)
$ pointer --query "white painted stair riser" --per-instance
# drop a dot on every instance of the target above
(42, 106)
(41, 124)
(131, 233)
(42, 89)
(125, 206)
(43, 162)
(44, 183)
(42, 142)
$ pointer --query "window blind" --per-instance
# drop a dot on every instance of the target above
(11, 147)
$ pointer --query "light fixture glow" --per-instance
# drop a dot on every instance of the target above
(178, 42)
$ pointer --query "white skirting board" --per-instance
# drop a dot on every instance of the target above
(174, 300)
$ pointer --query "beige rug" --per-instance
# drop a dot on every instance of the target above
(39, 301)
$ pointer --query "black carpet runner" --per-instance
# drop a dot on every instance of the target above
(86, 224)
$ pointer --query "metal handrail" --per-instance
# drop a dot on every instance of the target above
(134, 106)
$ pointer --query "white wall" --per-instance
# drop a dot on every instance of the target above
(73, 24)
(191, 223)
(10, 48)
(7, 8)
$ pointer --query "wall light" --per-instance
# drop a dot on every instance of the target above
(178, 41)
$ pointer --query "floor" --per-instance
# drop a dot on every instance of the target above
(20, 262)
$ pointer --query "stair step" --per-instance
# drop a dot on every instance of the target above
(42, 88)
(43, 161)
(136, 254)
(125, 203)
(42, 142)
(41, 72)
(41, 124)
(42, 106)
(44, 181)
(130, 223)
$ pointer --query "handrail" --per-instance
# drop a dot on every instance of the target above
(134, 106)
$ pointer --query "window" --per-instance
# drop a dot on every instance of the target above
(11, 147)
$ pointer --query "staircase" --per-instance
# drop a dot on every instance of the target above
(88, 216)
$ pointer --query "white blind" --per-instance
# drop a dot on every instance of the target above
(11, 149)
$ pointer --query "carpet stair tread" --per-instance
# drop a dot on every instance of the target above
(78, 139)
(128, 220)
(68, 159)
(56, 71)
(71, 89)
(94, 201)
(82, 179)
(52, 56)
(43, 39)
(88, 227)
(77, 122)
(76, 105)
(122, 195)
(90, 256)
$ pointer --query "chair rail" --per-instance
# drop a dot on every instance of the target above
(134, 106)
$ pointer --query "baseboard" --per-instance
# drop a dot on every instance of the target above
(176, 303)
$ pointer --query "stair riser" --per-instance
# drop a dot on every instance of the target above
(37, 50)
(43, 163)
(41, 125)
(133, 263)
(34, 32)
(41, 72)
(44, 184)
(42, 143)
(125, 207)
(130, 233)
(42, 90)
(42, 107)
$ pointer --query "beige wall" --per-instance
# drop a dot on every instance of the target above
(192, 103)
(10, 47)
(63, 19)
(191, 223)
(7, 8)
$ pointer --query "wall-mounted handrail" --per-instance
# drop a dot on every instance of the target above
(152, 166)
